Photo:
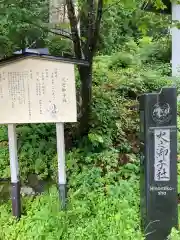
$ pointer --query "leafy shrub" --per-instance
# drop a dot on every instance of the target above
(36, 148)
(158, 50)
(174, 234)
(122, 60)
(59, 46)
(90, 215)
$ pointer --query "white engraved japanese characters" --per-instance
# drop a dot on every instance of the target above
(162, 154)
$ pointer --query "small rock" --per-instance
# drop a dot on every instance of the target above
(27, 191)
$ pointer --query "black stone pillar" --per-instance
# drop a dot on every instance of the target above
(158, 182)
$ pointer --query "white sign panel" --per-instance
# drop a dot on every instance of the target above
(34, 90)
(162, 154)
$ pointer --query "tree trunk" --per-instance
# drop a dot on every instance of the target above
(91, 23)
(86, 95)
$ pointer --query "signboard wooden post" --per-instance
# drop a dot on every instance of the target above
(15, 194)
(61, 163)
(37, 89)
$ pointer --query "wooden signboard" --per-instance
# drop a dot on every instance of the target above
(33, 90)
(37, 89)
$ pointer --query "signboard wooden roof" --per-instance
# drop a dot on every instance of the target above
(149, 7)
(35, 89)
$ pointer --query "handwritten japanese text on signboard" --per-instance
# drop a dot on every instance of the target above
(35, 90)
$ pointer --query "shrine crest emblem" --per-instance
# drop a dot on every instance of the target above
(161, 113)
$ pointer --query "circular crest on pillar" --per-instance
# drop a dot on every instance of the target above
(161, 113)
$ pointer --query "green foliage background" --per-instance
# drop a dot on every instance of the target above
(133, 57)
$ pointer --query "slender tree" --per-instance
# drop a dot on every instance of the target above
(85, 42)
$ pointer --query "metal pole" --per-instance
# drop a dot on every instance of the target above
(15, 192)
(175, 41)
(61, 164)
